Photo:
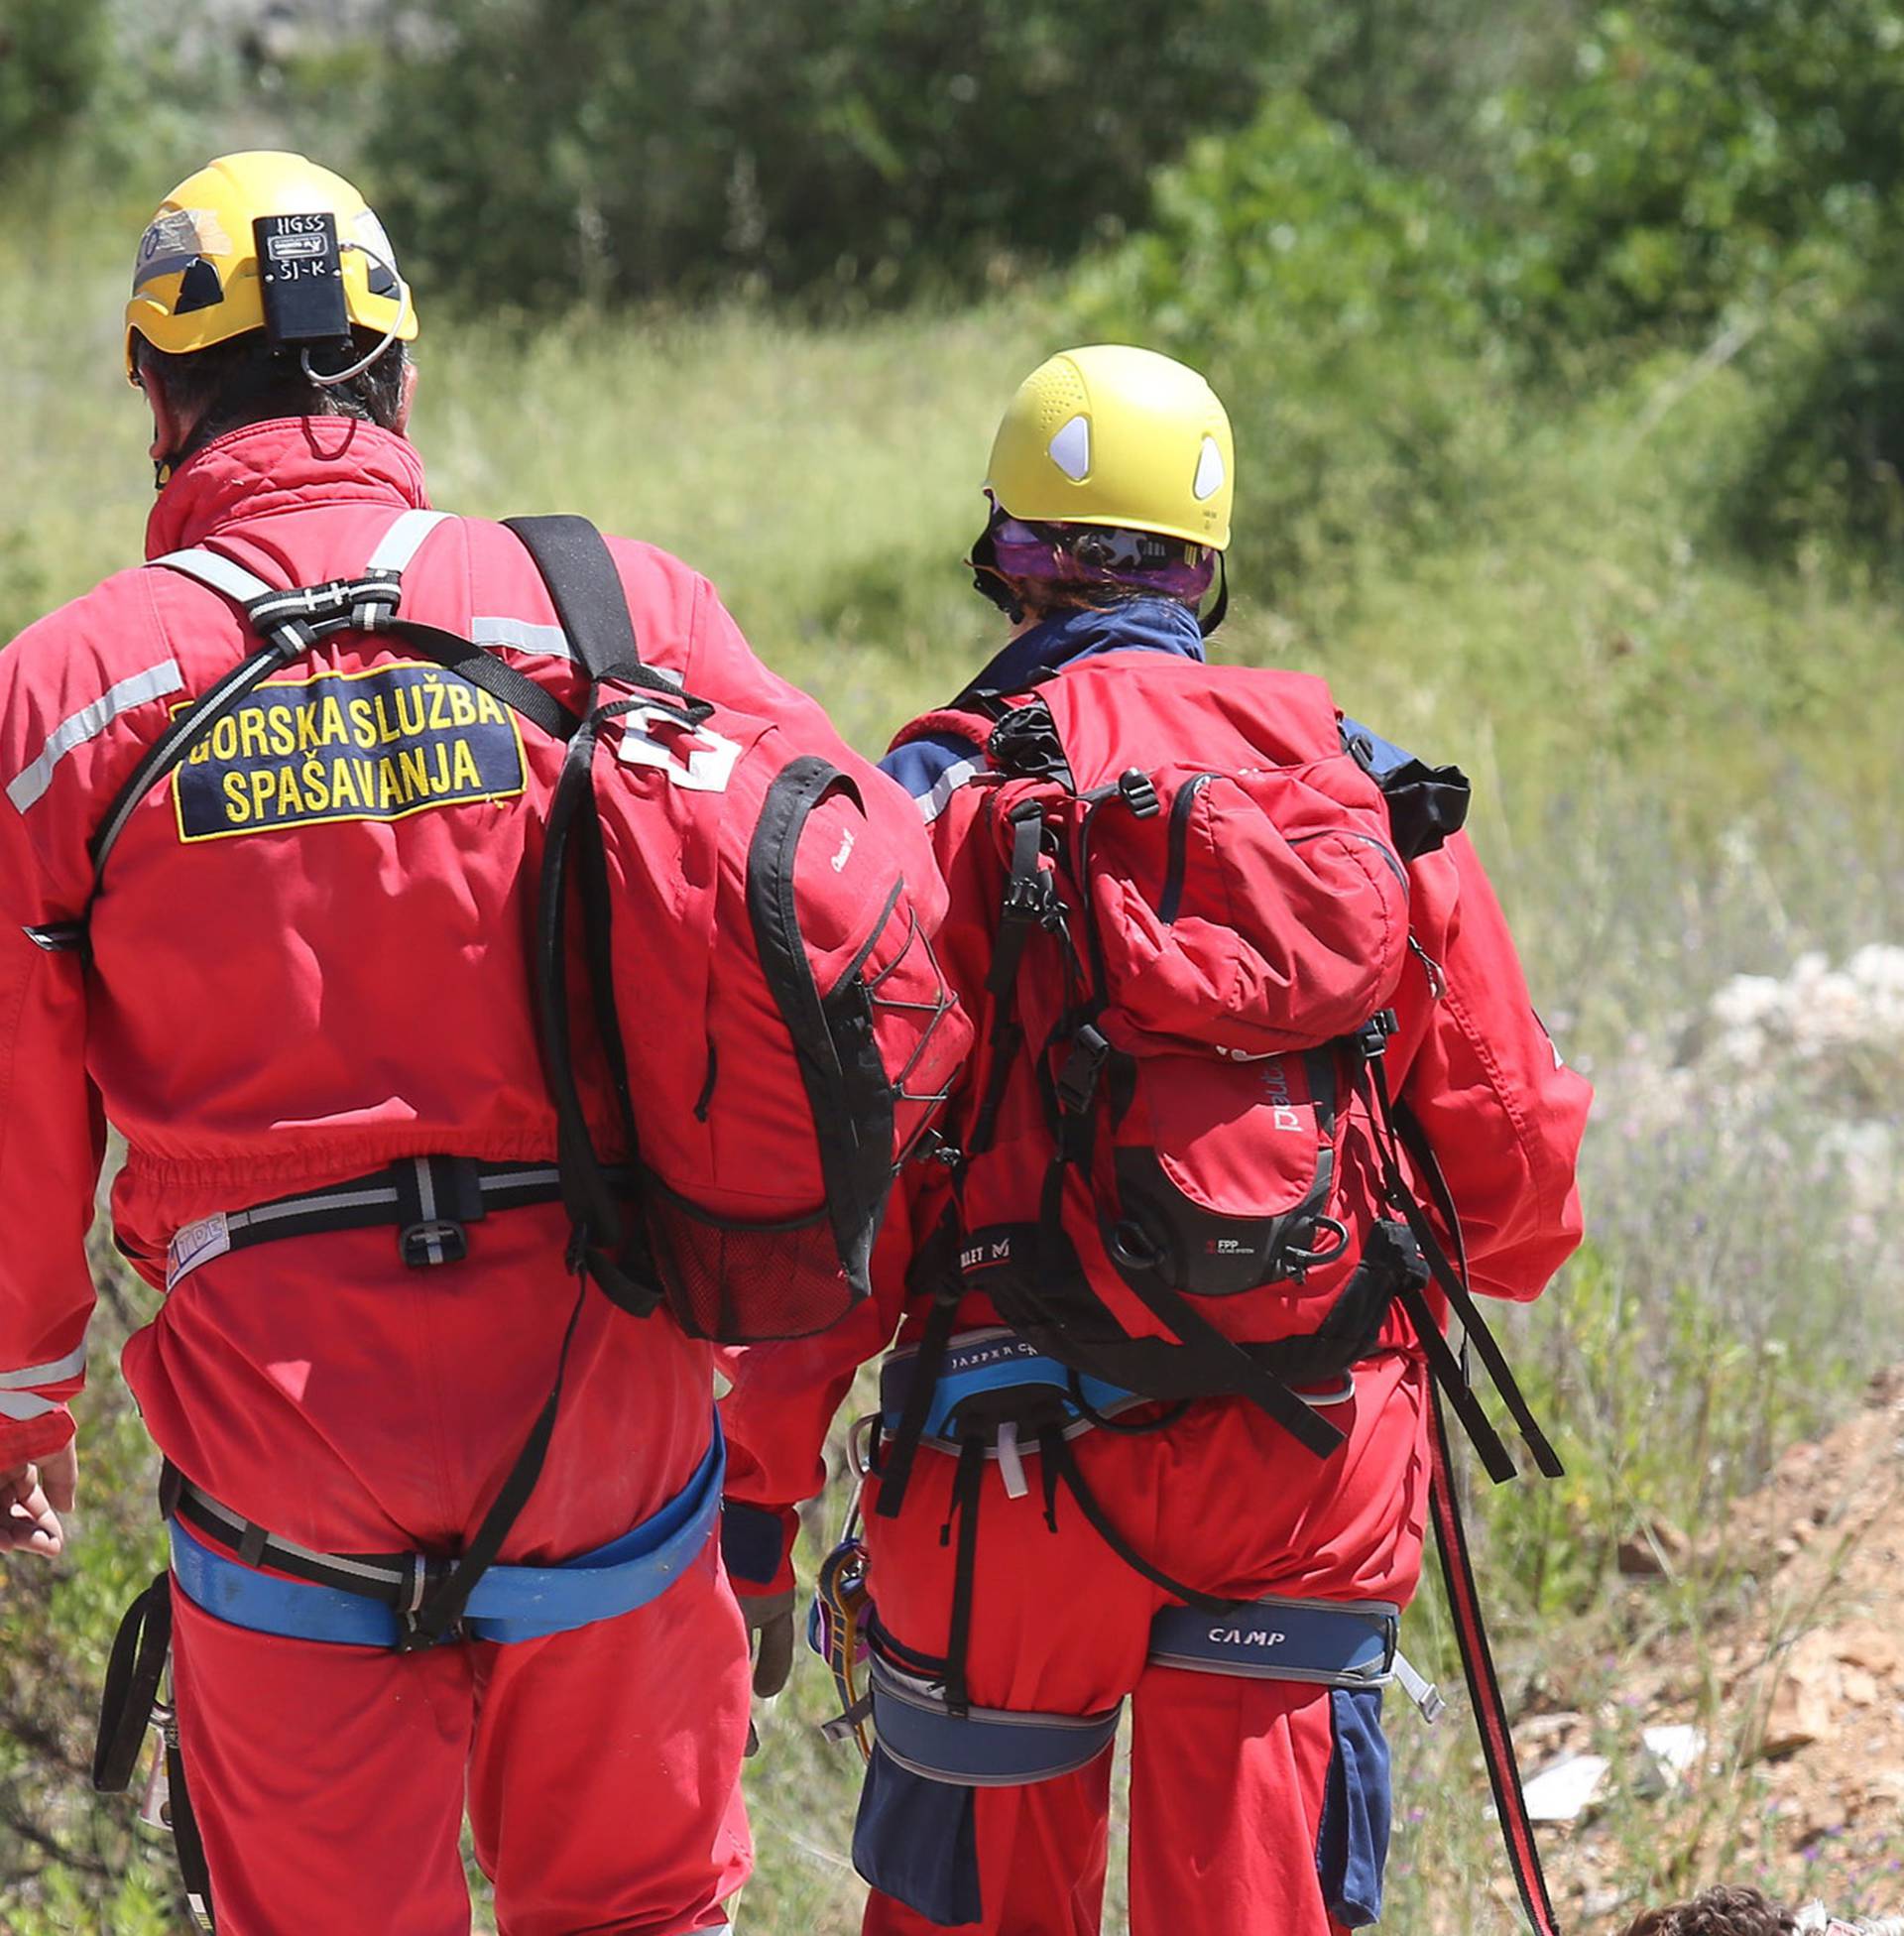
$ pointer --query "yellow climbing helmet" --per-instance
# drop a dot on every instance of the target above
(1110, 435)
(197, 280)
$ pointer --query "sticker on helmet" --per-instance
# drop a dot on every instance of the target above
(174, 240)
(378, 744)
(1209, 480)
(1071, 450)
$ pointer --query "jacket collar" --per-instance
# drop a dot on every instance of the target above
(1134, 625)
(288, 464)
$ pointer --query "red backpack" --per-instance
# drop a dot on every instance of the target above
(759, 956)
(1180, 1170)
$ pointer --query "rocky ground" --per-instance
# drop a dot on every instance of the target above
(1761, 1739)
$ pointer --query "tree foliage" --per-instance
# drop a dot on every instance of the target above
(54, 54)
(538, 149)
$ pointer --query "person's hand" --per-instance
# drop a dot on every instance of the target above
(31, 1498)
(770, 1633)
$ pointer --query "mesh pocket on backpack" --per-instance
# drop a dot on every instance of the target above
(743, 1284)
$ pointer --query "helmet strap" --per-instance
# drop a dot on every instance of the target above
(1207, 622)
(987, 579)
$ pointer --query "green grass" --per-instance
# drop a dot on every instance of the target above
(1686, 768)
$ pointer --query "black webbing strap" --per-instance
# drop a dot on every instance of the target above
(899, 1452)
(968, 1486)
(184, 732)
(1460, 1298)
(391, 1579)
(482, 669)
(1027, 905)
(289, 632)
(1062, 1461)
(1483, 1684)
(590, 600)
(1233, 1371)
(194, 1870)
(443, 1608)
(133, 1673)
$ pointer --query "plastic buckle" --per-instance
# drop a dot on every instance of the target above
(1372, 1038)
(436, 1240)
(1078, 1081)
(1027, 900)
(1134, 788)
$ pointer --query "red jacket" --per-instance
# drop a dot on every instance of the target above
(1473, 1061)
(273, 1007)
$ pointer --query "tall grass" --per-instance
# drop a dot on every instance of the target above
(1686, 767)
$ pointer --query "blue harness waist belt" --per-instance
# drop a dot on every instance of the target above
(508, 1604)
(978, 1363)
(1328, 1644)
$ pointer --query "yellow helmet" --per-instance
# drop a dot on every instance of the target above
(1115, 435)
(196, 283)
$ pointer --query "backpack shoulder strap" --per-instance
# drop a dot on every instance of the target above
(289, 623)
(582, 579)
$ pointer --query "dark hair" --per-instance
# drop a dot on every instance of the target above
(241, 381)
(1718, 1912)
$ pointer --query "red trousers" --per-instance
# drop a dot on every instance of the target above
(1233, 1825)
(323, 1389)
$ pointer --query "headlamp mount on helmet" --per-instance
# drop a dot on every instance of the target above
(307, 307)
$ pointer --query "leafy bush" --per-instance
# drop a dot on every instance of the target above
(1337, 306)
(540, 149)
(1704, 151)
(52, 56)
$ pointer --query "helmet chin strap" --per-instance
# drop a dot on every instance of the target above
(987, 579)
(1207, 622)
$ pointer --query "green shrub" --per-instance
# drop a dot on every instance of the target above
(1337, 306)
(53, 57)
(1702, 153)
(538, 149)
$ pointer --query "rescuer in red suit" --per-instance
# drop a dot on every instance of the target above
(308, 959)
(1258, 1804)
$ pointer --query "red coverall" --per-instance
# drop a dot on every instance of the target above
(292, 1003)
(1230, 1777)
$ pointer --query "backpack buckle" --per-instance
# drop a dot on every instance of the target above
(432, 1241)
(1083, 1068)
(1372, 1038)
(1136, 790)
(1027, 899)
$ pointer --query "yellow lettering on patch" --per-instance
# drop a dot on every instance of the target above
(380, 743)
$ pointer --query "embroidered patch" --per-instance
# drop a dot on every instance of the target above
(379, 745)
